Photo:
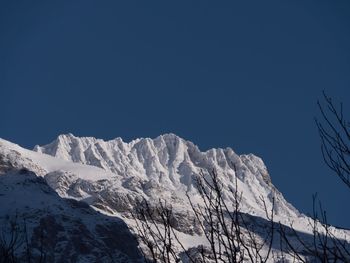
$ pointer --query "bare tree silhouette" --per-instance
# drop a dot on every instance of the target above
(15, 245)
(230, 236)
(334, 131)
(11, 239)
(324, 246)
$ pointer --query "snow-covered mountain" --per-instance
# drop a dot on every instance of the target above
(113, 176)
(168, 165)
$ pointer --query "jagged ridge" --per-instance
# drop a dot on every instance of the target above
(167, 166)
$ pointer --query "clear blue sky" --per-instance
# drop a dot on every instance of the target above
(240, 74)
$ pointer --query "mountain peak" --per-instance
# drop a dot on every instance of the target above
(66, 135)
(171, 136)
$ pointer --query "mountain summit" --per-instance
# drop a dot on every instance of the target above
(168, 165)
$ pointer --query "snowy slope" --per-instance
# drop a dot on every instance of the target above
(59, 230)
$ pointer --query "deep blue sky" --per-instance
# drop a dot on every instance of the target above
(240, 74)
